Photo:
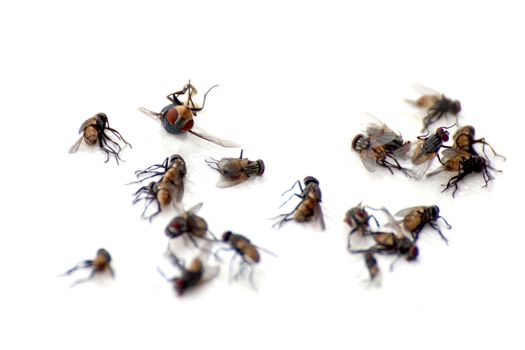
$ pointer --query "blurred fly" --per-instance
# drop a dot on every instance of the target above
(463, 163)
(190, 225)
(390, 243)
(310, 206)
(93, 130)
(358, 219)
(177, 117)
(195, 274)
(436, 105)
(464, 140)
(236, 170)
(101, 263)
(380, 146)
(416, 218)
(246, 250)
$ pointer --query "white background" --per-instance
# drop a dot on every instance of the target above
(294, 78)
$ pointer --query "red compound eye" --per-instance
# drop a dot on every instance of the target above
(172, 115)
(188, 126)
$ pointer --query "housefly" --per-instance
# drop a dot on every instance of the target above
(436, 105)
(93, 130)
(416, 218)
(246, 250)
(380, 146)
(177, 117)
(172, 172)
(310, 205)
(358, 219)
(101, 263)
(236, 170)
(426, 149)
(193, 275)
(463, 163)
(189, 225)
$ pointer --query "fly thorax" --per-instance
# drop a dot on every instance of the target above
(91, 135)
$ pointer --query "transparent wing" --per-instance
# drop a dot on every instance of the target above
(393, 223)
(425, 90)
(149, 113)
(215, 140)
(195, 208)
(210, 272)
(76, 145)
(318, 215)
(421, 169)
(421, 161)
(404, 212)
(368, 159)
(225, 182)
(178, 192)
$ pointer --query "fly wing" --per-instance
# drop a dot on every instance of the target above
(215, 140)
(368, 159)
(395, 224)
(421, 161)
(318, 215)
(149, 113)
(421, 169)
(225, 182)
(378, 131)
(76, 145)
(405, 212)
(178, 192)
(195, 208)
(210, 272)
(425, 90)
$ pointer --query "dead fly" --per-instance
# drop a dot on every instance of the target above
(390, 243)
(177, 117)
(380, 146)
(371, 265)
(93, 130)
(236, 170)
(246, 250)
(437, 105)
(464, 140)
(415, 219)
(172, 171)
(426, 149)
(100, 264)
(159, 192)
(189, 225)
(358, 219)
(310, 205)
(194, 275)
(463, 163)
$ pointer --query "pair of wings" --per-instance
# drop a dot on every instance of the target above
(379, 134)
(213, 139)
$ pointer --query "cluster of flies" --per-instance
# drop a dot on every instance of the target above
(381, 146)
(397, 237)
(163, 186)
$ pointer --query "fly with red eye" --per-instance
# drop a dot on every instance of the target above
(177, 117)
(426, 149)
(358, 219)
(191, 226)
